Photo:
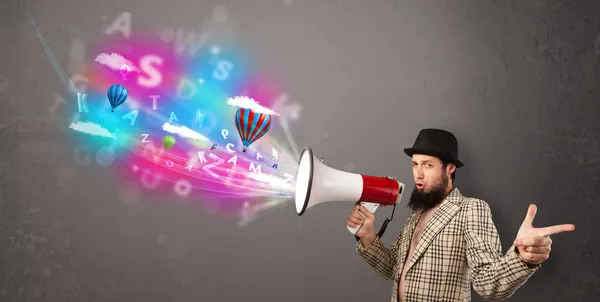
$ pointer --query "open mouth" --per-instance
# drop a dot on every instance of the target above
(420, 186)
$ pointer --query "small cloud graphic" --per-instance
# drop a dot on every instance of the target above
(184, 131)
(116, 62)
(246, 102)
(91, 128)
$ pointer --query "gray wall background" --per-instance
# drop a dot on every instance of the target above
(516, 81)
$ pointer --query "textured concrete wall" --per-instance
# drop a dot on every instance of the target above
(516, 81)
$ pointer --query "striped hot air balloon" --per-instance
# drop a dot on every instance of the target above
(117, 94)
(251, 125)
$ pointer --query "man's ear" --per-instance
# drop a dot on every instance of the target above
(451, 168)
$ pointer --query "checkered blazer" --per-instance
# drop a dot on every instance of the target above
(459, 246)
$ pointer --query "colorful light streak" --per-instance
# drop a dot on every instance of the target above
(183, 96)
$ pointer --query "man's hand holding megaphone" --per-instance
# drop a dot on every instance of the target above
(366, 232)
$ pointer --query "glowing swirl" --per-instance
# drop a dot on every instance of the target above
(171, 92)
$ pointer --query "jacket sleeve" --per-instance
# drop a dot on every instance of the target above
(380, 258)
(493, 275)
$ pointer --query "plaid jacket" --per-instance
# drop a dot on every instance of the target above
(459, 246)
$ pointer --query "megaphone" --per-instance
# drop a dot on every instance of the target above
(317, 183)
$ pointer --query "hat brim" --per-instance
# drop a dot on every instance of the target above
(411, 151)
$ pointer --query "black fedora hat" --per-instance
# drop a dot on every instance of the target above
(436, 142)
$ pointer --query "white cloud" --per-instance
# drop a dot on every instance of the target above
(116, 62)
(184, 131)
(246, 102)
(91, 128)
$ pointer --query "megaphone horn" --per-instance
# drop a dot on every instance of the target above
(317, 183)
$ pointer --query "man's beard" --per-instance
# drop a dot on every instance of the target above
(421, 200)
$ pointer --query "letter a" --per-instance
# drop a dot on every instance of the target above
(132, 116)
(233, 160)
(122, 24)
(173, 117)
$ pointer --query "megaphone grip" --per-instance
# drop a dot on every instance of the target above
(383, 227)
(371, 207)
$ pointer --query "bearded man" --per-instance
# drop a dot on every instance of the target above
(449, 242)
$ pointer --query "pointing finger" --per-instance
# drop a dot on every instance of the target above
(555, 229)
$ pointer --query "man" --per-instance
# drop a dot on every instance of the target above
(450, 241)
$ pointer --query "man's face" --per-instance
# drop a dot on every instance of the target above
(431, 182)
(427, 172)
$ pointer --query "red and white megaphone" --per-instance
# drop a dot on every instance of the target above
(317, 183)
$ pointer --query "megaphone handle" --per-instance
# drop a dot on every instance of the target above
(371, 207)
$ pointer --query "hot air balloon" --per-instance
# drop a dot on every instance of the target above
(251, 125)
(117, 94)
(168, 142)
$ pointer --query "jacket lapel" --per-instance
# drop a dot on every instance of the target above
(447, 210)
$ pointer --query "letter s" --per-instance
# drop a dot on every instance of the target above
(154, 77)
(222, 71)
